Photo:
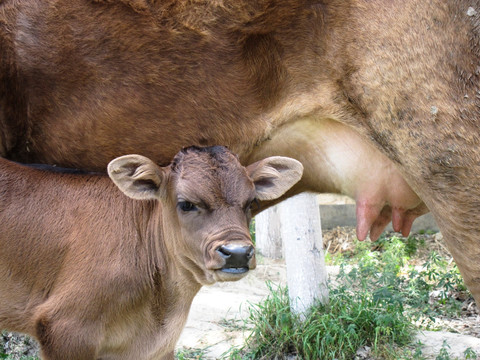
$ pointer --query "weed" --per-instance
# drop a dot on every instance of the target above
(252, 231)
(443, 354)
(469, 353)
(337, 330)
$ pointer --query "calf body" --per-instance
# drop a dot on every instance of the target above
(94, 274)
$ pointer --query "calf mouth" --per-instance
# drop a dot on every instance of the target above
(232, 270)
(230, 274)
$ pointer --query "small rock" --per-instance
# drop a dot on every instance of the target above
(438, 237)
(471, 11)
(364, 352)
(18, 345)
(456, 344)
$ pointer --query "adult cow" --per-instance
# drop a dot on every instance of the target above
(93, 274)
(368, 95)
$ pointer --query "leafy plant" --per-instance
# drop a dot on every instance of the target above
(337, 330)
(469, 353)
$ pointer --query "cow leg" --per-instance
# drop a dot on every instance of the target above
(62, 339)
(461, 236)
(471, 276)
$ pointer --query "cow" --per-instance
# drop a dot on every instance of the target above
(94, 274)
(378, 99)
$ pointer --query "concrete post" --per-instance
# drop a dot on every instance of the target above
(301, 232)
(267, 234)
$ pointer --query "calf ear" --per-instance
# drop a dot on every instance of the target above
(273, 176)
(136, 176)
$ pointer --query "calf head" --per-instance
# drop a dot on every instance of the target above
(207, 196)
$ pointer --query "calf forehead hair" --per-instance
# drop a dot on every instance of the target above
(218, 155)
(211, 174)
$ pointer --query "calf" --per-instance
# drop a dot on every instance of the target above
(94, 274)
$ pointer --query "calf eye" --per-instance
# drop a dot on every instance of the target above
(186, 206)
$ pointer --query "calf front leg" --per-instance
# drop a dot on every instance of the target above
(169, 356)
(62, 339)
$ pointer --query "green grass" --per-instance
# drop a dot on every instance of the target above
(336, 331)
(375, 300)
(252, 231)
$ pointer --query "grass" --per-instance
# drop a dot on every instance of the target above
(376, 298)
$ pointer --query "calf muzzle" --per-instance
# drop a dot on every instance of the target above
(237, 257)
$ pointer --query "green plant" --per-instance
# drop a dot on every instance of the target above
(444, 354)
(379, 296)
(469, 353)
(337, 330)
(15, 357)
(252, 230)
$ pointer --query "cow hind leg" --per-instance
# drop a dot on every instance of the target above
(461, 234)
(468, 262)
(62, 339)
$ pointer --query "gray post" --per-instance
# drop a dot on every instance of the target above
(267, 233)
(303, 247)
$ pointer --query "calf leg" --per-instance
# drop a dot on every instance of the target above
(169, 356)
(62, 339)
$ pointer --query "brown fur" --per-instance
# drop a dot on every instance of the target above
(93, 274)
(86, 81)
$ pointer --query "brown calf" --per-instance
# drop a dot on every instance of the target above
(94, 274)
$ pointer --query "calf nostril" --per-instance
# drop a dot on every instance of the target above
(251, 252)
(223, 251)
